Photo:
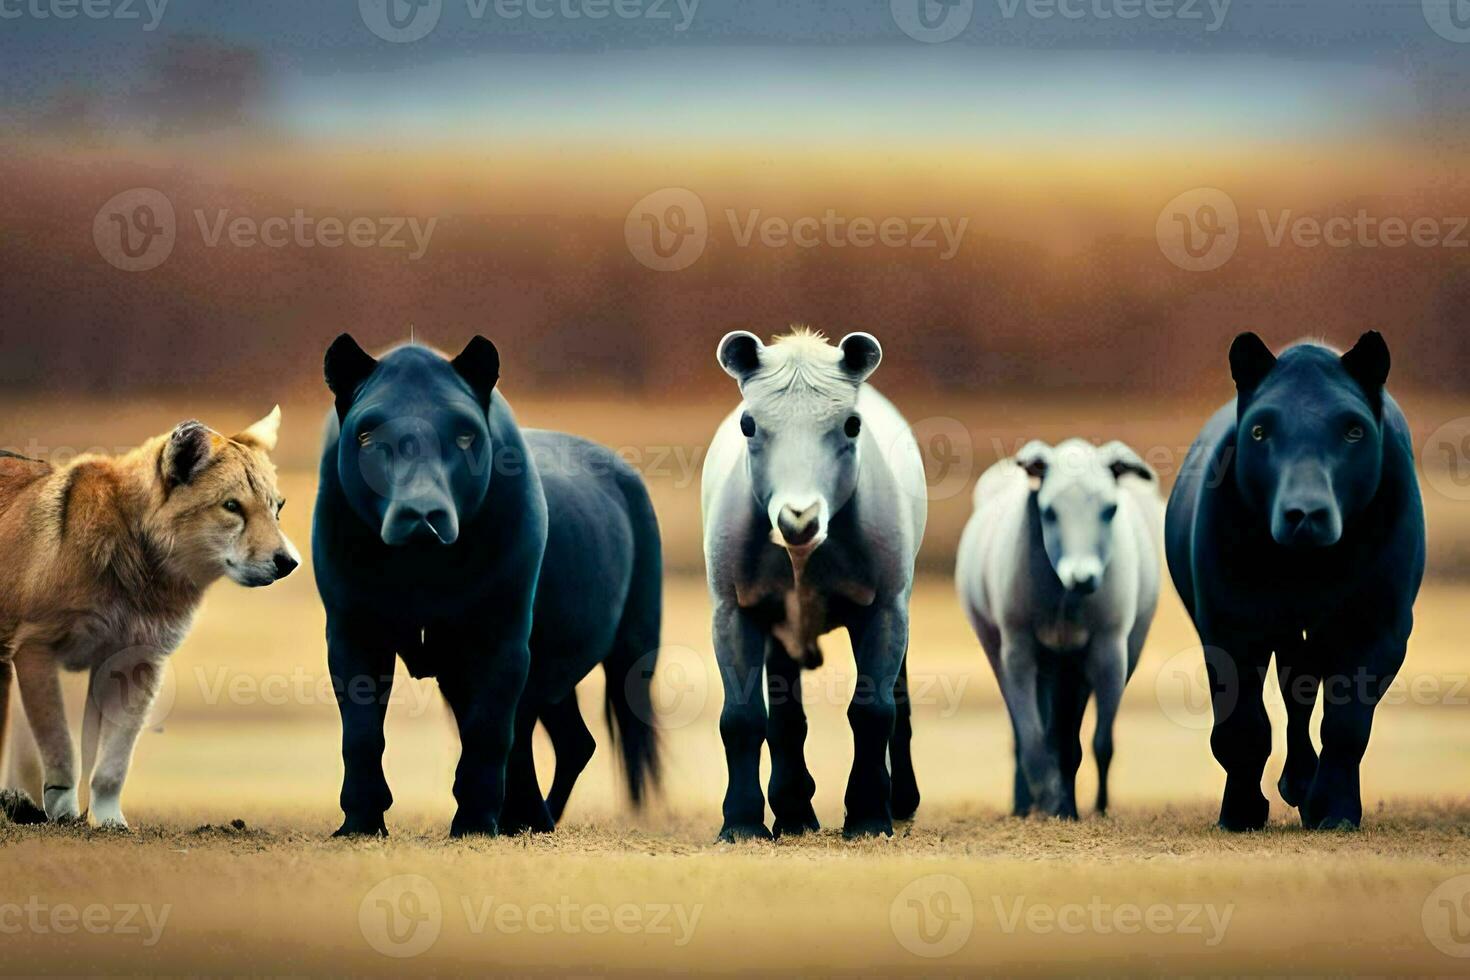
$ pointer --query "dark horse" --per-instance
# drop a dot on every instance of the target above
(1296, 528)
(507, 563)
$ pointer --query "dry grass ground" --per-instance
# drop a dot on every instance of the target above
(248, 732)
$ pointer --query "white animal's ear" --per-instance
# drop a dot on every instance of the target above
(861, 354)
(263, 434)
(1035, 459)
(1121, 459)
(739, 354)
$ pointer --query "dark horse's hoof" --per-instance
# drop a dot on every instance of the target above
(795, 826)
(362, 827)
(905, 802)
(870, 827)
(734, 833)
(469, 825)
(510, 826)
(1243, 817)
(20, 808)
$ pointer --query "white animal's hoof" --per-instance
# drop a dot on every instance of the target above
(108, 815)
(61, 804)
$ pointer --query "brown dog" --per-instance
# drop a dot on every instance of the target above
(102, 565)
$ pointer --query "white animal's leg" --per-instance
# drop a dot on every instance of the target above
(121, 698)
(1018, 657)
(1107, 670)
(40, 693)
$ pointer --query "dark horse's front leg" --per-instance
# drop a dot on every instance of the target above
(1335, 801)
(879, 643)
(482, 680)
(1241, 739)
(740, 646)
(361, 665)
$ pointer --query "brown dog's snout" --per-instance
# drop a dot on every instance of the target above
(285, 563)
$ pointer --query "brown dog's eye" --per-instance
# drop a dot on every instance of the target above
(1258, 432)
(233, 506)
(1354, 433)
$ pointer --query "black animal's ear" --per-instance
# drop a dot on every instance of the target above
(861, 354)
(1120, 458)
(479, 364)
(187, 453)
(739, 353)
(346, 367)
(1250, 361)
(1368, 364)
(1035, 459)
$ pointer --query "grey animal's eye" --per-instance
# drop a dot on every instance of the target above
(1258, 432)
(747, 425)
(853, 426)
(465, 440)
(1354, 433)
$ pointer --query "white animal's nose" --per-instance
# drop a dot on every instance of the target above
(799, 525)
(1081, 575)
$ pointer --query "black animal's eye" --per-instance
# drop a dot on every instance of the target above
(1110, 512)
(1354, 433)
(853, 426)
(465, 440)
(1258, 432)
(747, 425)
(365, 439)
(232, 505)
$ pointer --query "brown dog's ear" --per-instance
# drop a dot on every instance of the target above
(346, 367)
(1368, 364)
(1250, 361)
(262, 435)
(187, 452)
(479, 364)
(1120, 458)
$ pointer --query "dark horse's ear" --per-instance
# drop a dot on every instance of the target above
(346, 367)
(1367, 363)
(1250, 361)
(479, 364)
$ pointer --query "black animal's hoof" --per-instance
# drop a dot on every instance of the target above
(19, 808)
(871, 827)
(905, 802)
(734, 833)
(1333, 822)
(1293, 791)
(474, 826)
(530, 825)
(805, 823)
(1241, 818)
(362, 827)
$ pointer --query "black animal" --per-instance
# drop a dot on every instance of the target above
(507, 563)
(1296, 528)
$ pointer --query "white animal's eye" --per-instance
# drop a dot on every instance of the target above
(465, 440)
(1110, 512)
(853, 426)
(1049, 515)
(1258, 432)
(365, 439)
(1354, 433)
(747, 425)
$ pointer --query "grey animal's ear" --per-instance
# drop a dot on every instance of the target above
(186, 454)
(739, 354)
(861, 354)
(1120, 459)
(1250, 361)
(346, 367)
(1368, 364)
(1035, 459)
(479, 364)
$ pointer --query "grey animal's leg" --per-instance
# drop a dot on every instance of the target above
(40, 692)
(740, 647)
(1069, 692)
(1018, 680)
(120, 693)
(574, 746)
(1107, 672)
(905, 783)
(879, 644)
(791, 786)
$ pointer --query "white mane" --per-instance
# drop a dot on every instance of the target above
(801, 374)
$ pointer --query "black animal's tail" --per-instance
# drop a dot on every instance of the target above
(630, 665)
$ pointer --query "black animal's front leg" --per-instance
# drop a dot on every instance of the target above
(361, 665)
(1241, 739)
(879, 644)
(1300, 678)
(740, 648)
(1349, 700)
(791, 786)
(483, 692)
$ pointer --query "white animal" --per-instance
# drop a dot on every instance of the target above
(1058, 571)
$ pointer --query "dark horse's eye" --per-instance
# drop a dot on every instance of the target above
(1258, 432)
(747, 425)
(853, 426)
(1354, 433)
